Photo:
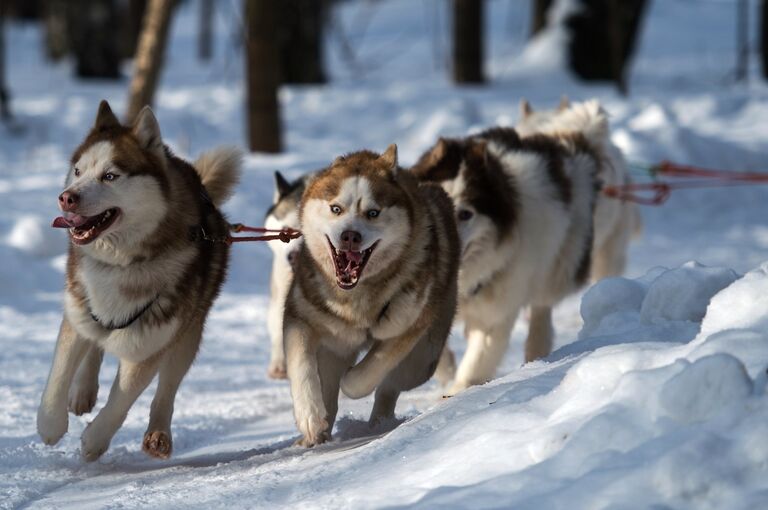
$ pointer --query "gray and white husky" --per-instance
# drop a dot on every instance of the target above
(284, 213)
(147, 258)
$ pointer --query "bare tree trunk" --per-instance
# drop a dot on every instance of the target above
(603, 36)
(468, 41)
(742, 40)
(764, 37)
(93, 32)
(132, 28)
(5, 99)
(262, 74)
(300, 35)
(205, 42)
(57, 43)
(539, 10)
(149, 56)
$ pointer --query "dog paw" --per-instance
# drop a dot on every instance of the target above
(277, 370)
(93, 443)
(314, 430)
(157, 444)
(51, 425)
(355, 384)
(82, 399)
(456, 387)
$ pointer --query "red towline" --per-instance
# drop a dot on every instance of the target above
(657, 192)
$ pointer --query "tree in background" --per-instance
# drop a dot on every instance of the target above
(92, 28)
(262, 69)
(205, 40)
(603, 36)
(149, 56)
(300, 39)
(539, 10)
(468, 41)
(5, 98)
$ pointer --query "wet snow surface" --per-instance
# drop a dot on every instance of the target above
(655, 398)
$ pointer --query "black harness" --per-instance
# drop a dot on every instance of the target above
(112, 326)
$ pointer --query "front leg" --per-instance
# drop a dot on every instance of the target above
(85, 388)
(131, 380)
(381, 359)
(52, 419)
(306, 388)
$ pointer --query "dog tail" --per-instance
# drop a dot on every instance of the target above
(220, 169)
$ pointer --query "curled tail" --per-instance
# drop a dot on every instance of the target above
(589, 118)
(220, 169)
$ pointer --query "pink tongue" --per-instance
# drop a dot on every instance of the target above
(73, 221)
(355, 256)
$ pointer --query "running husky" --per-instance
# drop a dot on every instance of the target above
(145, 265)
(524, 208)
(284, 213)
(377, 269)
(616, 221)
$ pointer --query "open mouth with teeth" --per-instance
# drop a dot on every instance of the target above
(85, 229)
(349, 264)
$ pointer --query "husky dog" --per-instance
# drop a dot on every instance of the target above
(284, 213)
(616, 221)
(377, 269)
(524, 210)
(146, 260)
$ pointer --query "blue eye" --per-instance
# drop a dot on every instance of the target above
(335, 209)
(464, 214)
(109, 176)
(373, 213)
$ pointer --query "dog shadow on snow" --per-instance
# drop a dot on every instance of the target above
(349, 434)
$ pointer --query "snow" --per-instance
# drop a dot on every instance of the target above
(655, 396)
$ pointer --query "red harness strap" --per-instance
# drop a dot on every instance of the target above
(660, 190)
(285, 235)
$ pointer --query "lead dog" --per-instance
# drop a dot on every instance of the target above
(377, 268)
(524, 208)
(145, 265)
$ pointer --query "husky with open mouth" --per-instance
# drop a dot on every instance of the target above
(146, 260)
(283, 213)
(524, 209)
(377, 269)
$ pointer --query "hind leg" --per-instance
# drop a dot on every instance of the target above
(610, 259)
(540, 333)
(158, 441)
(85, 388)
(486, 346)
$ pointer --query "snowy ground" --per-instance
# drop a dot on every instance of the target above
(656, 398)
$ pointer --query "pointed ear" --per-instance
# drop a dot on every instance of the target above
(147, 131)
(565, 103)
(105, 118)
(282, 186)
(390, 157)
(525, 109)
(477, 150)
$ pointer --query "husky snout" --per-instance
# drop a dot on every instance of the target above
(68, 201)
(351, 240)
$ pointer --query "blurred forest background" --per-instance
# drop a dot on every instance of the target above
(283, 43)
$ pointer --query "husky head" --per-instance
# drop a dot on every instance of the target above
(484, 197)
(531, 121)
(356, 216)
(284, 213)
(116, 190)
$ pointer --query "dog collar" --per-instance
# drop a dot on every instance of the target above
(112, 326)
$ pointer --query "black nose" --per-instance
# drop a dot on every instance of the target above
(351, 240)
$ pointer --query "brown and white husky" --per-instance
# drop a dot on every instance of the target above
(524, 209)
(377, 270)
(146, 261)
